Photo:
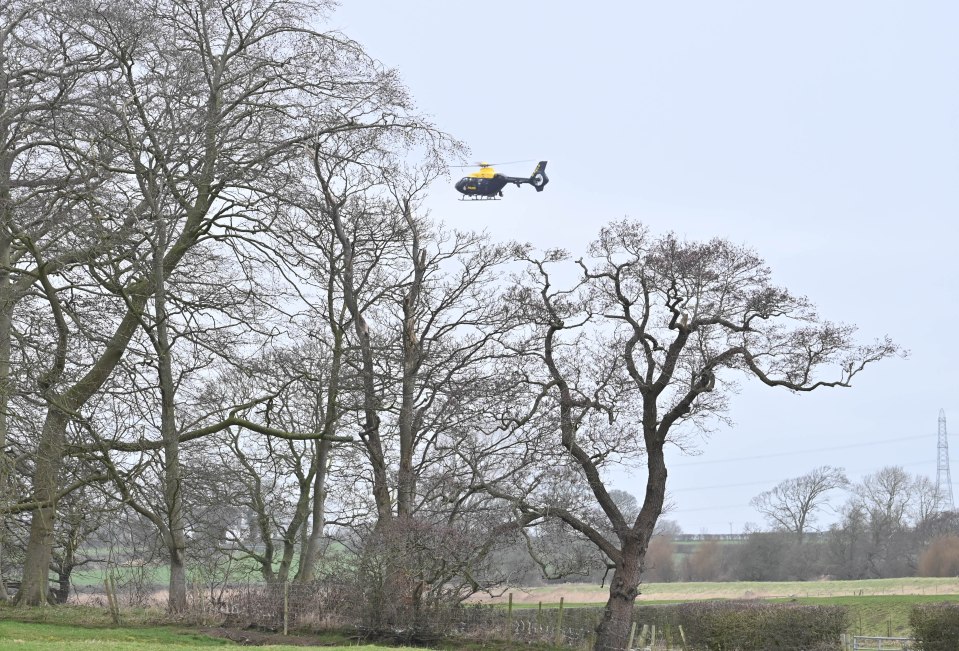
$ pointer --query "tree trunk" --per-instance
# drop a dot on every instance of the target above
(172, 473)
(311, 549)
(412, 358)
(62, 593)
(6, 328)
(300, 515)
(176, 601)
(176, 543)
(371, 399)
(53, 438)
(613, 630)
(35, 586)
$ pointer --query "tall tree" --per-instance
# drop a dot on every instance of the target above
(643, 346)
(200, 108)
(425, 326)
(42, 91)
(792, 504)
(887, 500)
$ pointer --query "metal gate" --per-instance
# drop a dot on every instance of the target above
(863, 643)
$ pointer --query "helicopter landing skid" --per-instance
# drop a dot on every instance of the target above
(480, 197)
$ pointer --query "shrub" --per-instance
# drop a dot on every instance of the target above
(941, 558)
(660, 566)
(725, 626)
(935, 626)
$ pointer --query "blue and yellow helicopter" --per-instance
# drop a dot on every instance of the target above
(485, 183)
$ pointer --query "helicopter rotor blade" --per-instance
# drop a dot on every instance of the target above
(487, 164)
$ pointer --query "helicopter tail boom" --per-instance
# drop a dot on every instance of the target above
(537, 179)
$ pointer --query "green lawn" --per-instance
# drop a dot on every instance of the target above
(880, 616)
(876, 607)
(24, 636)
(21, 636)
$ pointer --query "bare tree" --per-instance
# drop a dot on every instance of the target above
(283, 484)
(887, 500)
(642, 347)
(42, 92)
(201, 107)
(792, 504)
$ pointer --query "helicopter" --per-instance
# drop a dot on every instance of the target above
(485, 183)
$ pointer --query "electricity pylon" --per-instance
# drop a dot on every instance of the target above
(943, 476)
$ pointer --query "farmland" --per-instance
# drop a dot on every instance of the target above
(584, 593)
(876, 607)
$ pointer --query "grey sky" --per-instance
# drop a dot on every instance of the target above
(823, 134)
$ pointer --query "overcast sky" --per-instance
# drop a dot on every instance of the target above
(825, 135)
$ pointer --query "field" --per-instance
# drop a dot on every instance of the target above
(876, 607)
(23, 636)
(585, 593)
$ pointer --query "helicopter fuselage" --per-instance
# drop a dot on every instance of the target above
(472, 186)
(487, 184)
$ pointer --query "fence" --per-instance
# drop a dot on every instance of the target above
(332, 608)
(347, 608)
(327, 606)
(865, 643)
(315, 610)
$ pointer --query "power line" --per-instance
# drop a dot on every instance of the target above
(924, 462)
(703, 488)
(794, 452)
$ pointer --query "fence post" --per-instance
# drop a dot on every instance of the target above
(682, 636)
(509, 619)
(632, 634)
(286, 608)
(539, 615)
(559, 624)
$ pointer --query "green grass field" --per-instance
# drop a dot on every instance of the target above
(876, 607)
(880, 616)
(21, 636)
(31, 636)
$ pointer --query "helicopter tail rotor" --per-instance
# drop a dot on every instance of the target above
(539, 179)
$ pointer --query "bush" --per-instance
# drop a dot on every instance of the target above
(935, 626)
(941, 558)
(725, 626)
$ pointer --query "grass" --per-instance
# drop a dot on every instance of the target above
(876, 607)
(22, 636)
(83, 616)
(244, 569)
(879, 616)
(30, 636)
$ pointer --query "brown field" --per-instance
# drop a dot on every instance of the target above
(586, 593)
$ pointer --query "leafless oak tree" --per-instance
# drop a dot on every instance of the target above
(644, 345)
